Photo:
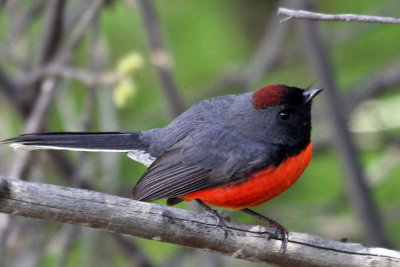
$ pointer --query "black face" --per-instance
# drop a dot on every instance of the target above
(289, 125)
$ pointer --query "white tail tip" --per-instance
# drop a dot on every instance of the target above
(19, 147)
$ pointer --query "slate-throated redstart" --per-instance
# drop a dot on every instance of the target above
(233, 151)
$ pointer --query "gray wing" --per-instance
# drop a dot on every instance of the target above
(205, 158)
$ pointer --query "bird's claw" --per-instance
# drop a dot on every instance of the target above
(280, 232)
(220, 217)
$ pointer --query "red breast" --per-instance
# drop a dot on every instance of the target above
(259, 187)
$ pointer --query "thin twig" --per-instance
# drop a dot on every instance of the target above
(88, 77)
(304, 14)
(188, 228)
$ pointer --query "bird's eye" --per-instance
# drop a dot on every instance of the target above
(284, 114)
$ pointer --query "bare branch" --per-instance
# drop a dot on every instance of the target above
(90, 78)
(303, 14)
(156, 222)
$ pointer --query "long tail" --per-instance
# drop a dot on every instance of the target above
(79, 141)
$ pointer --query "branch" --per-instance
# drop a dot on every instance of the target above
(188, 228)
(90, 78)
(303, 14)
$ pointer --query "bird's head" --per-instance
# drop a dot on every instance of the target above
(285, 112)
(278, 115)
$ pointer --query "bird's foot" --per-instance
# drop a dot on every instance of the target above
(280, 231)
(220, 217)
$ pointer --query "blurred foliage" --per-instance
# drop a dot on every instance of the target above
(209, 39)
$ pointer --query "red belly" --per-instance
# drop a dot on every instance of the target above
(258, 188)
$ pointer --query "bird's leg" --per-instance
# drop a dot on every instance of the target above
(284, 233)
(218, 217)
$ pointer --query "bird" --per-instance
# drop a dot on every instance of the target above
(233, 151)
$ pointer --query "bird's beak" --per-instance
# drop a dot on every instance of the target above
(310, 94)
